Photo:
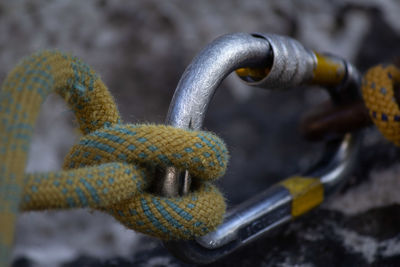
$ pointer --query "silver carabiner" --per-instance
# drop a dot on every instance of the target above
(271, 61)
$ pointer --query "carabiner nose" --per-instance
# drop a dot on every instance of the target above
(268, 61)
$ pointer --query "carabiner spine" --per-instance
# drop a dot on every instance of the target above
(277, 205)
(254, 218)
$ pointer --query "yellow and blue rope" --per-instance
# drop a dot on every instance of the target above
(379, 98)
(111, 167)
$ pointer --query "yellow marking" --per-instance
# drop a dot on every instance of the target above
(256, 74)
(307, 193)
(328, 71)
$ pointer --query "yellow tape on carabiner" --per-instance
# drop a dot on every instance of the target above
(307, 193)
(329, 70)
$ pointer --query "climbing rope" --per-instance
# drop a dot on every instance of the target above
(112, 166)
(380, 100)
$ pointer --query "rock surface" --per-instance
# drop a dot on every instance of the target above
(140, 48)
(323, 238)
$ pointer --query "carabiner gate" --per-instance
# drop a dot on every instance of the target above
(274, 62)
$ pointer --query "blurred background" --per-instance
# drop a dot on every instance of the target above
(140, 49)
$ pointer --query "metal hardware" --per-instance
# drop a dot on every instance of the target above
(200, 80)
(289, 64)
(264, 213)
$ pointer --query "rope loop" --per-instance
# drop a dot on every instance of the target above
(140, 149)
(112, 166)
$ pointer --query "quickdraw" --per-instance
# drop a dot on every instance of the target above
(113, 166)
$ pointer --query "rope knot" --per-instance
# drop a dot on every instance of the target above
(112, 166)
(127, 156)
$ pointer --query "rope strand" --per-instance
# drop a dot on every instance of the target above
(113, 164)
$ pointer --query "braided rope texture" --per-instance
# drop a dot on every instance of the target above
(112, 166)
(379, 98)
